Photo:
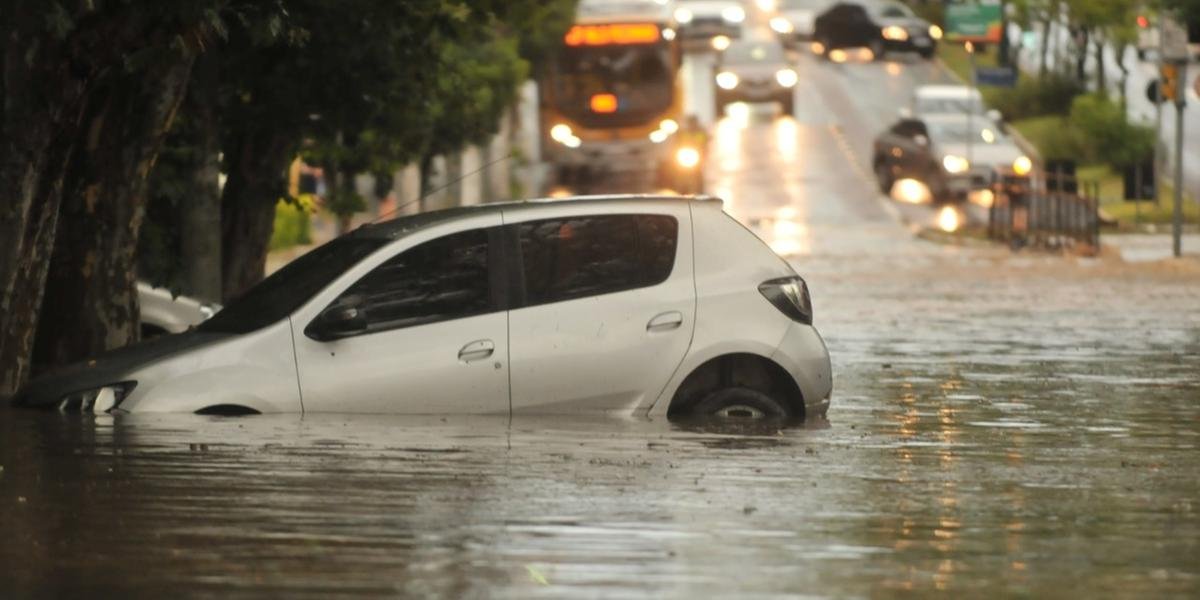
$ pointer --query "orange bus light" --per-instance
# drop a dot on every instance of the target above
(604, 103)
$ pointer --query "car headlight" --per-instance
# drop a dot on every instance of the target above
(786, 77)
(720, 43)
(683, 16)
(935, 32)
(1022, 166)
(97, 400)
(560, 132)
(782, 25)
(727, 80)
(955, 164)
(687, 157)
(669, 126)
(734, 14)
(895, 33)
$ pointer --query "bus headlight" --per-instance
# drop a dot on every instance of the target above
(687, 157)
(895, 33)
(782, 25)
(669, 126)
(1022, 166)
(955, 164)
(683, 15)
(935, 32)
(720, 43)
(560, 132)
(786, 77)
(727, 80)
(734, 14)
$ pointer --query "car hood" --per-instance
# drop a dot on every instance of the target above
(753, 70)
(1000, 155)
(110, 367)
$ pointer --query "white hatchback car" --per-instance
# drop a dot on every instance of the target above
(636, 305)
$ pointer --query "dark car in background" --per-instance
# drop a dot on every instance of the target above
(755, 71)
(881, 27)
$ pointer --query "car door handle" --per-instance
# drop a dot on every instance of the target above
(665, 321)
(476, 350)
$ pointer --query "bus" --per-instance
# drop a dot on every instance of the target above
(611, 106)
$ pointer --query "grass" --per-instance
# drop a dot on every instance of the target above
(958, 61)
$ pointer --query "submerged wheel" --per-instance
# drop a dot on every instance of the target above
(740, 403)
(877, 50)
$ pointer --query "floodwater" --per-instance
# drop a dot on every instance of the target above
(1016, 426)
(1002, 425)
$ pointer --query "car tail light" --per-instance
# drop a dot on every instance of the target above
(790, 296)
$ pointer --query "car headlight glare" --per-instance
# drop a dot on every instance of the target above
(727, 80)
(687, 157)
(786, 77)
(955, 164)
(895, 33)
(720, 43)
(935, 32)
(1022, 166)
(683, 16)
(782, 25)
(560, 132)
(734, 14)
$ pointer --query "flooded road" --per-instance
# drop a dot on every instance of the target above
(1002, 425)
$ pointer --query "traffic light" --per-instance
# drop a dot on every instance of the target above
(1142, 21)
(1168, 81)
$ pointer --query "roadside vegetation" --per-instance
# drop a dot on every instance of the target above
(1067, 108)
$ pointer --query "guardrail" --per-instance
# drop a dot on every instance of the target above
(1056, 218)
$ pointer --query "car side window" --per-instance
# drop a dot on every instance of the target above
(439, 280)
(577, 257)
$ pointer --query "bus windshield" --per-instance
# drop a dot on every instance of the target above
(640, 76)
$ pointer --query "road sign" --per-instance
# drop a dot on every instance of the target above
(996, 76)
(1169, 74)
(973, 22)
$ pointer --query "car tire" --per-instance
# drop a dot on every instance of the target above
(884, 176)
(739, 403)
(877, 49)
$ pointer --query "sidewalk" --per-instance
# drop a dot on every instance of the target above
(1146, 247)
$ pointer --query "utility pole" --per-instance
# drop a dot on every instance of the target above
(1177, 222)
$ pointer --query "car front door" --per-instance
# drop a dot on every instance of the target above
(431, 335)
(607, 311)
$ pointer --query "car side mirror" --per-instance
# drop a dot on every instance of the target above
(341, 320)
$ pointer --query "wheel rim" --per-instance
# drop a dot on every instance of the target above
(739, 411)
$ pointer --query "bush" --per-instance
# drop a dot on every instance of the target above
(1034, 97)
(293, 224)
(1109, 138)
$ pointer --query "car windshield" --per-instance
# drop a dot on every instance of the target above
(641, 77)
(949, 105)
(893, 11)
(753, 53)
(277, 296)
(958, 132)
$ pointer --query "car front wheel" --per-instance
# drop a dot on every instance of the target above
(739, 403)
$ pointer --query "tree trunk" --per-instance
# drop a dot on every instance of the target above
(1119, 51)
(1081, 56)
(1101, 77)
(256, 183)
(90, 303)
(200, 216)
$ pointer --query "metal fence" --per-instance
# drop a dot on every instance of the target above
(1055, 218)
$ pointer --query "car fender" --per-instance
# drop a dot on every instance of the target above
(697, 357)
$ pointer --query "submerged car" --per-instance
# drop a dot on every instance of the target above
(635, 305)
(953, 155)
(881, 27)
(755, 71)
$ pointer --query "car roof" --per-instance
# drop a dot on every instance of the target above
(402, 226)
(945, 91)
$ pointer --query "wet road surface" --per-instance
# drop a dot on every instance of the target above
(1002, 424)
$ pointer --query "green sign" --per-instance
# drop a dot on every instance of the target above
(973, 22)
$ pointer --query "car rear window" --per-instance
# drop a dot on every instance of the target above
(577, 257)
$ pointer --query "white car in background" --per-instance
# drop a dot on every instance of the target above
(794, 19)
(164, 312)
(628, 305)
(714, 22)
(953, 100)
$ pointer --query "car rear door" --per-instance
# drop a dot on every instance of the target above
(436, 337)
(607, 306)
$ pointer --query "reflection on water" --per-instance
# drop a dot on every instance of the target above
(918, 483)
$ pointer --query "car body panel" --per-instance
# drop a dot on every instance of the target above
(599, 353)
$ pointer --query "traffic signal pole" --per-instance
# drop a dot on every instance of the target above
(1177, 222)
